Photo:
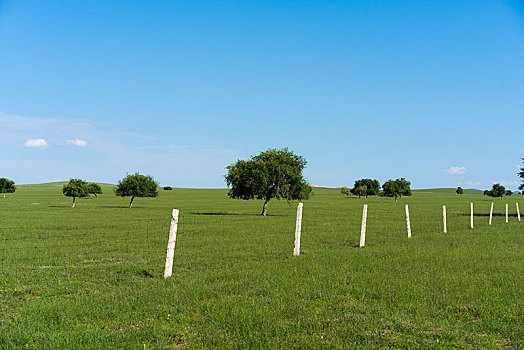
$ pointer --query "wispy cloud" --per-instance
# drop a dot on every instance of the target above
(456, 170)
(77, 142)
(36, 143)
(474, 183)
(18, 123)
(507, 183)
(116, 151)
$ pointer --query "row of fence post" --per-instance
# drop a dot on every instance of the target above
(298, 228)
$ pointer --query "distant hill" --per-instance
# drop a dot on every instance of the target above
(317, 186)
(57, 185)
(448, 190)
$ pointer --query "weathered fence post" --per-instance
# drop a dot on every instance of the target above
(491, 213)
(298, 228)
(444, 218)
(168, 271)
(518, 211)
(506, 213)
(363, 227)
(471, 215)
(407, 221)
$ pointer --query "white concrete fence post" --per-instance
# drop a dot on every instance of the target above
(298, 228)
(506, 213)
(518, 211)
(444, 218)
(168, 271)
(491, 214)
(471, 209)
(363, 227)
(407, 221)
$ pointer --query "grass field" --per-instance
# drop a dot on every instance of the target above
(91, 277)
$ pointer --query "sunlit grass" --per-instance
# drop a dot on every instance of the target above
(91, 277)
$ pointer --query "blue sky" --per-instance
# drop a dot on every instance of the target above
(432, 91)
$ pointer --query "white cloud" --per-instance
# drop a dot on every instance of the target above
(36, 143)
(456, 170)
(77, 142)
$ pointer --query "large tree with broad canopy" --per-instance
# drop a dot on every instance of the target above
(7, 186)
(273, 174)
(75, 188)
(137, 185)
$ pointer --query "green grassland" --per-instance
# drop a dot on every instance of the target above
(91, 277)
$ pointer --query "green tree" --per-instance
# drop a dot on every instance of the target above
(509, 193)
(346, 191)
(397, 188)
(405, 187)
(137, 185)
(7, 186)
(366, 187)
(273, 174)
(459, 190)
(75, 188)
(359, 190)
(496, 191)
(521, 175)
(94, 188)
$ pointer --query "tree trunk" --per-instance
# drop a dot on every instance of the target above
(395, 199)
(131, 203)
(96, 196)
(264, 210)
(73, 202)
(4, 195)
(359, 195)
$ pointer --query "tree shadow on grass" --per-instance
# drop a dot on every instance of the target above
(494, 215)
(234, 214)
(117, 206)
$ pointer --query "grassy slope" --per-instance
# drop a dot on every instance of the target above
(91, 277)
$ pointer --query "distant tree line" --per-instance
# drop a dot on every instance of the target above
(370, 187)
(273, 174)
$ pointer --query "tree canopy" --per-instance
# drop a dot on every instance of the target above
(346, 191)
(366, 187)
(94, 188)
(521, 175)
(7, 186)
(459, 190)
(137, 185)
(75, 188)
(496, 191)
(273, 174)
(397, 188)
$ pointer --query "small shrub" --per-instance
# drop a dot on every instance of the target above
(168, 188)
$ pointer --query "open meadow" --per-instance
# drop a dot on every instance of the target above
(91, 277)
